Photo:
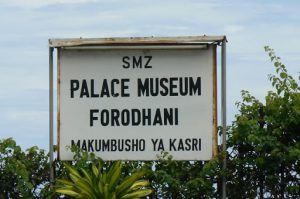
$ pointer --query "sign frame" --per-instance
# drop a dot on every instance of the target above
(165, 58)
(133, 42)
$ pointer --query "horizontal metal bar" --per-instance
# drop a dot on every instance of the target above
(137, 47)
(134, 40)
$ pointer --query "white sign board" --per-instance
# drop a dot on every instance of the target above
(131, 104)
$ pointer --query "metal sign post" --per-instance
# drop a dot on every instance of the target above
(51, 113)
(223, 111)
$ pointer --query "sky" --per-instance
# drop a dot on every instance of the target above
(26, 26)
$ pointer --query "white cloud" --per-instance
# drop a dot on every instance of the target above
(42, 3)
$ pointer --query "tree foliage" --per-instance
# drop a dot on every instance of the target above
(22, 174)
(265, 141)
(184, 179)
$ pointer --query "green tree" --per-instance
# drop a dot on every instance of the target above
(184, 179)
(264, 141)
(22, 174)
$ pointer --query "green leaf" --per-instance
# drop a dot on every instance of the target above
(115, 176)
(67, 192)
(139, 184)
(72, 170)
(128, 182)
(65, 182)
(95, 170)
(137, 194)
(283, 75)
(101, 189)
(106, 191)
(86, 188)
(104, 178)
(116, 165)
(87, 176)
(74, 178)
(294, 85)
